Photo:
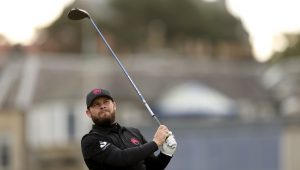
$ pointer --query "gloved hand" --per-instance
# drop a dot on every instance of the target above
(169, 146)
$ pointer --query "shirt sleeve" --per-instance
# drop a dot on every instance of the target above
(159, 162)
(154, 162)
(103, 152)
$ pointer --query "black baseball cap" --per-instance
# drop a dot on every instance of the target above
(95, 93)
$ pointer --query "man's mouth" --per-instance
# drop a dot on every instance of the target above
(104, 112)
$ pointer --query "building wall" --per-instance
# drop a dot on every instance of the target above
(290, 147)
(250, 142)
(205, 144)
(12, 141)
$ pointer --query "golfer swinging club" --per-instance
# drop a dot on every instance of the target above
(110, 146)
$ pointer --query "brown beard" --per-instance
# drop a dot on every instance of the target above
(106, 121)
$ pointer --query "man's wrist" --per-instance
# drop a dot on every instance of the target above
(156, 142)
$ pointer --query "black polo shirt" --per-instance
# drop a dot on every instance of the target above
(116, 147)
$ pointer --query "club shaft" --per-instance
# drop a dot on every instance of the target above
(125, 72)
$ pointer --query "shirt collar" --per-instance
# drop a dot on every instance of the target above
(113, 127)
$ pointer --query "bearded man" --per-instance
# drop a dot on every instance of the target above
(110, 146)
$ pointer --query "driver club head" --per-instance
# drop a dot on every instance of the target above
(78, 14)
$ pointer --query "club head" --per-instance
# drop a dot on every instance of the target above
(78, 14)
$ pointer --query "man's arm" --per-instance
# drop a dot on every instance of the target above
(104, 152)
(154, 162)
(158, 162)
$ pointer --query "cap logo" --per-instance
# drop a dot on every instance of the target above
(134, 141)
(96, 91)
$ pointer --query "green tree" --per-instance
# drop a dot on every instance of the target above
(62, 36)
(130, 23)
(181, 19)
(292, 50)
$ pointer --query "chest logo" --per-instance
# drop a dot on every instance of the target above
(134, 141)
(103, 145)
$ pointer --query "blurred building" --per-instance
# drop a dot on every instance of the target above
(282, 79)
(13, 147)
(50, 90)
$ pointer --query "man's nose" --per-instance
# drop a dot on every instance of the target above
(102, 106)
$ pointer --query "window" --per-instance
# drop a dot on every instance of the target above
(5, 152)
(71, 125)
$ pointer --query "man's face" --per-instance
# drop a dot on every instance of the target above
(102, 111)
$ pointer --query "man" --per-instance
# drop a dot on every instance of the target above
(111, 146)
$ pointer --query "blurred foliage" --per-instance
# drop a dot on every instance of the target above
(131, 22)
(64, 35)
(292, 49)
(181, 20)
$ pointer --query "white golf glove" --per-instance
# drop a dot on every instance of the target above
(169, 146)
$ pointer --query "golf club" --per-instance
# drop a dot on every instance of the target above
(78, 14)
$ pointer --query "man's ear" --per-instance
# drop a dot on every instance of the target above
(88, 112)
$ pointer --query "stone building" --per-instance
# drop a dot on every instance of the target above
(49, 92)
